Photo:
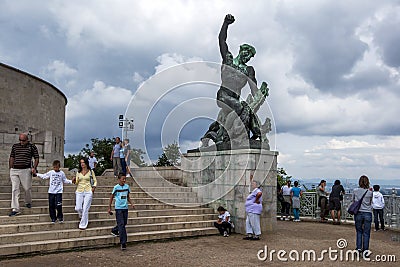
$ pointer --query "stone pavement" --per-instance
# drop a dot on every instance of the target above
(233, 251)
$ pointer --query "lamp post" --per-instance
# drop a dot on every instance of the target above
(126, 125)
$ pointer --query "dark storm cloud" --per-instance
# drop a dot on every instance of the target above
(325, 42)
(387, 38)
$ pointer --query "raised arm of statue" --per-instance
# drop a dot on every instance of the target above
(223, 34)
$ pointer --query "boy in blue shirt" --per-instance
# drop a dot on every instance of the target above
(121, 194)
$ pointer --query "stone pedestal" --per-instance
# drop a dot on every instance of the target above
(222, 178)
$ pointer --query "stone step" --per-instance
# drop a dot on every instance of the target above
(69, 188)
(58, 245)
(166, 189)
(71, 195)
(102, 214)
(163, 210)
(95, 201)
(11, 229)
(53, 234)
(95, 207)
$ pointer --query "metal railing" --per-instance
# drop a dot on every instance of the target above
(309, 208)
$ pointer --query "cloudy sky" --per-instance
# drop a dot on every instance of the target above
(332, 69)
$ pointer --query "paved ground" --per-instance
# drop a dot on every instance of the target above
(230, 251)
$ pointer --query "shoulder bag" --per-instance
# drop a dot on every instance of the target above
(355, 206)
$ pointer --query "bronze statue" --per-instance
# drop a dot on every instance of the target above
(237, 122)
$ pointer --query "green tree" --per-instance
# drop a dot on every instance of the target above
(72, 161)
(172, 153)
(163, 161)
(137, 157)
(282, 176)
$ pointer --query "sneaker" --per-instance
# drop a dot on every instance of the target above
(226, 233)
(248, 238)
(376, 230)
(256, 238)
(14, 213)
(53, 222)
(60, 221)
(384, 229)
(123, 246)
(128, 175)
(28, 205)
(114, 233)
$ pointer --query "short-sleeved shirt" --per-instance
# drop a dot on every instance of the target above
(117, 148)
(23, 155)
(223, 216)
(250, 205)
(121, 196)
(92, 161)
(336, 190)
(286, 190)
(296, 191)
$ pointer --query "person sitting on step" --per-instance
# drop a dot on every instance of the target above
(223, 224)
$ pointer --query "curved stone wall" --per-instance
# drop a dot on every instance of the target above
(31, 105)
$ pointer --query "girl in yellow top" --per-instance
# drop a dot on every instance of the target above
(84, 192)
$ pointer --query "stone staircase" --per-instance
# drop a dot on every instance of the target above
(154, 218)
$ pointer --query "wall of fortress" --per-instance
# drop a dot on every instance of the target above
(30, 105)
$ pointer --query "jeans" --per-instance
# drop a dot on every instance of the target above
(23, 176)
(55, 204)
(123, 165)
(286, 205)
(296, 213)
(363, 222)
(121, 216)
(378, 215)
(253, 224)
(224, 226)
(82, 206)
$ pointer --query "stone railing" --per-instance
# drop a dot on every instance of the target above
(309, 208)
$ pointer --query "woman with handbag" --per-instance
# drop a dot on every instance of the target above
(86, 185)
(363, 218)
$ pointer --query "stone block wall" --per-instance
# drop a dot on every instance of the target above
(223, 178)
(31, 105)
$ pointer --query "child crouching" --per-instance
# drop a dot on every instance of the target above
(223, 224)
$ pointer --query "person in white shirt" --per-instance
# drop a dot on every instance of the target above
(92, 161)
(285, 191)
(223, 224)
(378, 204)
(57, 179)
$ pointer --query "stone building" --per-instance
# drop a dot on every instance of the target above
(30, 105)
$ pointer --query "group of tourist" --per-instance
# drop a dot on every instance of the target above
(121, 157)
(372, 201)
(22, 169)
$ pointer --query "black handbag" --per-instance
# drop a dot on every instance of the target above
(355, 206)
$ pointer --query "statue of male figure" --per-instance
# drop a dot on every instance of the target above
(235, 74)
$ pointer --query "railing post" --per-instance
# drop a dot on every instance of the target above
(393, 217)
